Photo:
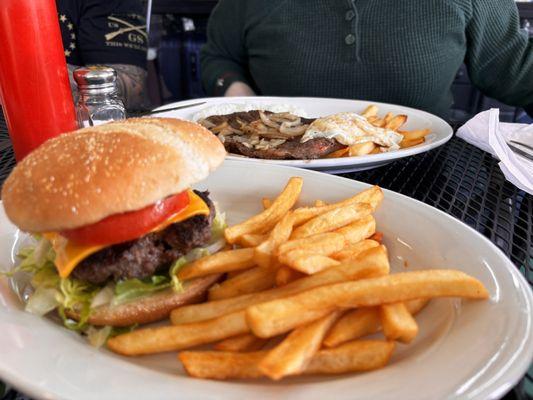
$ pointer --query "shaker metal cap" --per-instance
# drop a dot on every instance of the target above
(95, 77)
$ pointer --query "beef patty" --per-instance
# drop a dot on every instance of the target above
(150, 253)
(291, 149)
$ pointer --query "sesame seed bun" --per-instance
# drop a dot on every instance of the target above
(81, 177)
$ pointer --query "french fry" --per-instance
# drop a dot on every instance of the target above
(222, 364)
(395, 123)
(266, 220)
(372, 196)
(377, 236)
(306, 262)
(377, 150)
(250, 281)
(410, 143)
(363, 293)
(372, 119)
(370, 111)
(339, 153)
(320, 203)
(251, 239)
(388, 117)
(322, 243)
(360, 355)
(378, 122)
(293, 354)
(278, 325)
(363, 321)
(353, 250)
(241, 343)
(356, 356)
(373, 262)
(266, 202)
(358, 230)
(361, 149)
(233, 274)
(415, 134)
(279, 234)
(332, 220)
(398, 323)
(353, 325)
(223, 261)
(285, 275)
(177, 337)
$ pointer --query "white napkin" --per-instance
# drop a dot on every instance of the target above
(489, 134)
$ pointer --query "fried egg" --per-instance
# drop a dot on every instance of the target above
(350, 128)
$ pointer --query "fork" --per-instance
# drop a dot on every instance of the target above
(519, 151)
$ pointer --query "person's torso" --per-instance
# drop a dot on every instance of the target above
(397, 51)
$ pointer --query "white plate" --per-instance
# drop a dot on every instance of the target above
(475, 350)
(441, 132)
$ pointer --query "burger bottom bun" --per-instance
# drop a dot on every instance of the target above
(151, 308)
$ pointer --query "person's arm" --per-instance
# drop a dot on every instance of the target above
(224, 57)
(500, 54)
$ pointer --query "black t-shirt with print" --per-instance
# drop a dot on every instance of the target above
(103, 31)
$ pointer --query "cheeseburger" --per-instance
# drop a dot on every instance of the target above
(115, 217)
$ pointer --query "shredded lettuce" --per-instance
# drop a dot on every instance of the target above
(98, 336)
(42, 301)
(173, 272)
(218, 225)
(78, 296)
(134, 288)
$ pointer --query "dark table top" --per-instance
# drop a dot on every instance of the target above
(457, 178)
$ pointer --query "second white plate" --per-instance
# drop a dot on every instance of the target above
(441, 132)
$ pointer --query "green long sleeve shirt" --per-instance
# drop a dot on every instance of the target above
(397, 51)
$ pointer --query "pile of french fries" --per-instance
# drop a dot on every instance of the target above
(389, 121)
(304, 285)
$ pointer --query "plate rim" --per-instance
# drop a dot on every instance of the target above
(516, 370)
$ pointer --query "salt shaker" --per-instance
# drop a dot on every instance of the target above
(98, 100)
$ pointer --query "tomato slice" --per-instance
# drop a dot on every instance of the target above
(130, 225)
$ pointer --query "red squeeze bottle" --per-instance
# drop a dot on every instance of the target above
(34, 85)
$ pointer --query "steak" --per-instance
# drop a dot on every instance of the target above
(244, 116)
(290, 150)
(151, 253)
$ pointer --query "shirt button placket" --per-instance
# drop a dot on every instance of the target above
(349, 39)
(351, 16)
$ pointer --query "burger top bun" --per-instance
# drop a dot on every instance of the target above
(81, 177)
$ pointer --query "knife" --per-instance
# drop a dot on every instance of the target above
(150, 112)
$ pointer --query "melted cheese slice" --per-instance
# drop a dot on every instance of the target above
(68, 254)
